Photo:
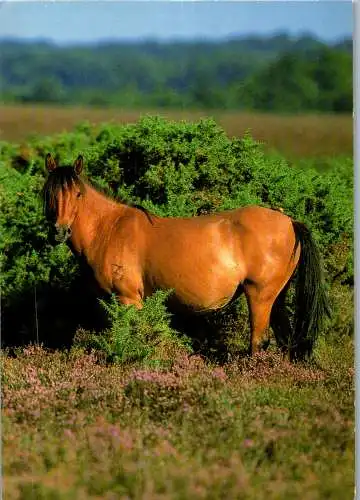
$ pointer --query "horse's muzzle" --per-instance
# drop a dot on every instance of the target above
(63, 233)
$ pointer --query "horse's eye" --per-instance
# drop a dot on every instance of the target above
(78, 195)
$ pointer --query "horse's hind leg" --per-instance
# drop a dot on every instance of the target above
(260, 302)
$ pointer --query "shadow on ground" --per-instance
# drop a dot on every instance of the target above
(59, 313)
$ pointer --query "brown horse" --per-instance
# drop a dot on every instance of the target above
(207, 260)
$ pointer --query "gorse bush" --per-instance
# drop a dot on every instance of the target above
(137, 335)
(172, 169)
(26, 256)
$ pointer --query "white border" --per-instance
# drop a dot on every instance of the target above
(356, 82)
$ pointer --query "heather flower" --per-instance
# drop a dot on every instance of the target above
(219, 374)
(248, 443)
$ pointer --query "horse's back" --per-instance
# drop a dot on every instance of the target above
(251, 228)
(256, 215)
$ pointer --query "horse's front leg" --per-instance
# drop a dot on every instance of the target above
(128, 301)
(128, 287)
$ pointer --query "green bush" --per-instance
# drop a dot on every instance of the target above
(26, 256)
(137, 335)
(172, 169)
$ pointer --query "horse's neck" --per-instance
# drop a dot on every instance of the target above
(96, 214)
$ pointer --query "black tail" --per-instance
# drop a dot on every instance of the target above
(311, 300)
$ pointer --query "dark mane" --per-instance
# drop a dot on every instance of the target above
(58, 180)
(145, 210)
(64, 177)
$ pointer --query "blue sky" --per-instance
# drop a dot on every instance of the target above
(85, 21)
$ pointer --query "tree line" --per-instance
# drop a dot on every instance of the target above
(277, 73)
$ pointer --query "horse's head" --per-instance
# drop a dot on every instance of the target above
(63, 192)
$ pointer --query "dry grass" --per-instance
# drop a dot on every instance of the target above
(294, 136)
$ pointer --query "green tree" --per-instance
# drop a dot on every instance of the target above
(47, 89)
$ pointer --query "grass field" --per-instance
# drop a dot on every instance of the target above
(294, 136)
(257, 429)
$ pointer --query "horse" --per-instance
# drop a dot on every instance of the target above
(206, 260)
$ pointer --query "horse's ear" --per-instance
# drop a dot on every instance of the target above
(79, 164)
(50, 163)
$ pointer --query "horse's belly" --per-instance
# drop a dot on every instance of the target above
(200, 305)
(202, 264)
(199, 289)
